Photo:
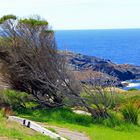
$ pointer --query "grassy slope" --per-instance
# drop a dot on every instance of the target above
(96, 132)
(12, 130)
(67, 119)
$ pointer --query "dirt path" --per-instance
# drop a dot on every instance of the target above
(5, 138)
(72, 135)
(64, 132)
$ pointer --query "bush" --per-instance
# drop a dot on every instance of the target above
(112, 121)
(13, 98)
(132, 89)
(130, 113)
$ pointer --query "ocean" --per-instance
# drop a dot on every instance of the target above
(121, 46)
(133, 84)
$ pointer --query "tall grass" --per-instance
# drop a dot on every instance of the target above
(112, 121)
(130, 113)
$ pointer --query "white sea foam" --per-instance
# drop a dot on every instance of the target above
(133, 85)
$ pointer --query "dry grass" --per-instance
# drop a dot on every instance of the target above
(13, 131)
(117, 90)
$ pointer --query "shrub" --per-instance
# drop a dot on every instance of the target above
(132, 89)
(130, 113)
(13, 98)
(31, 62)
(112, 121)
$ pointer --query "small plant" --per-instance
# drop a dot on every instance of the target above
(130, 113)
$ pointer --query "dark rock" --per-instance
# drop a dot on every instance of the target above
(83, 62)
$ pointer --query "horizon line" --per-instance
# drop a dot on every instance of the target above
(97, 29)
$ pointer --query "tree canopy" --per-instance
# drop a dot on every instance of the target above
(31, 62)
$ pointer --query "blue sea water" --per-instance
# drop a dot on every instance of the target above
(118, 45)
(133, 84)
(121, 46)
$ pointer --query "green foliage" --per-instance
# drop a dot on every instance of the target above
(66, 116)
(112, 100)
(27, 52)
(112, 121)
(11, 130)
(132, 89)
(114, 127)
(7, 17)
(52, 129)
(117, 99)
(33, 22)
(130, 113)
(1, 114)
(13, 98)
(60, 115)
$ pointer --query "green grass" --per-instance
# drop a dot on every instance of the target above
(132, 89)
(101, 130)
(130, 113)
(12, 130)
(130, 94)
(62, 115)
(114, 128)
(52, 129)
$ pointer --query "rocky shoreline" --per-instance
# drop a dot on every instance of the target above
(84, 63)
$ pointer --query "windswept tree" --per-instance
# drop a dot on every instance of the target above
(30, 61)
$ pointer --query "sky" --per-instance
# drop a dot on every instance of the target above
(78, 14)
